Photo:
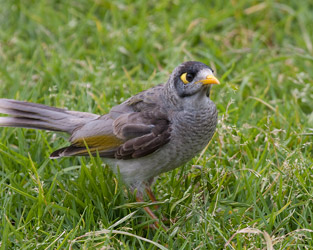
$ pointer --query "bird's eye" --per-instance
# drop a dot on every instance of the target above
(187, 77)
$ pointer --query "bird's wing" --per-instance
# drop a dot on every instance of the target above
(133, 129)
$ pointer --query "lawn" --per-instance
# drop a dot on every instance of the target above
(251, 188)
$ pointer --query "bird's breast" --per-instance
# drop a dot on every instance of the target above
(192, 131)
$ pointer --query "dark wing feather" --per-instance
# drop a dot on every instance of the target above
(146, 128)
(148, 143)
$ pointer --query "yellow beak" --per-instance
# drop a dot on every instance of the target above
(210, 79)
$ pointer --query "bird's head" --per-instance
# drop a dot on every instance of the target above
(191, 80)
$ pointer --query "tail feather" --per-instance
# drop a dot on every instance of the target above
(38, 116)
(32, 123)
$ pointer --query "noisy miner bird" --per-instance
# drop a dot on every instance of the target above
(152, 132)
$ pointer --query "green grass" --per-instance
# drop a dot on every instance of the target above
(91, 55)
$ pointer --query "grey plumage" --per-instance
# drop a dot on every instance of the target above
(152, 132)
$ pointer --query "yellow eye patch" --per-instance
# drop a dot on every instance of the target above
(183, 78)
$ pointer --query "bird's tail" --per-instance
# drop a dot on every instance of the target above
(38, 116)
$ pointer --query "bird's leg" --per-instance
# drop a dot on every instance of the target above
(150, 213)
(147, 209)
(151, 196)
(153, 199)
